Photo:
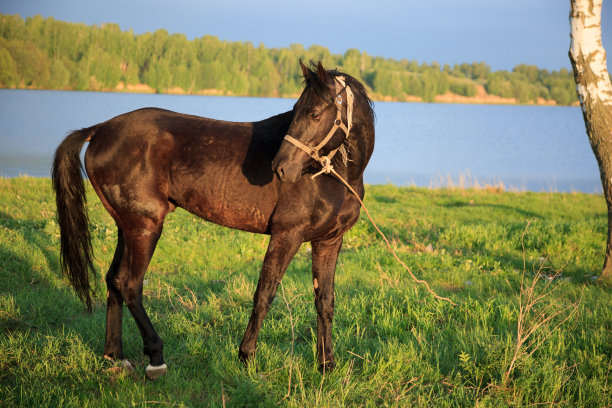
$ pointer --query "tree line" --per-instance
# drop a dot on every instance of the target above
(51, 54)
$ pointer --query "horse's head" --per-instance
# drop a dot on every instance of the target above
(321, 123)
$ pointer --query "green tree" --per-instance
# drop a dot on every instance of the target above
(412, 84)
(239, 82)
(560, 95)
(442, 83)
(269, 79)
(351, 62)
(499, 85)
(59, 76)
(8, 69)
(12, 27)
(40, 52)
(530, 72)
(319, 53)
(523, 91)
(429, 86)
(32, 64)
(463, 88)
(388, 83)
(105, 67)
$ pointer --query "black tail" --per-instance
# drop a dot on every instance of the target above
(67, 177)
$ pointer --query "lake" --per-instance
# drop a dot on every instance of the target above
(536, 148)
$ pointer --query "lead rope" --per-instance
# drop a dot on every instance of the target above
(434, 294)
(327, 168)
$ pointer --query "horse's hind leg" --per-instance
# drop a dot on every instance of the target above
(115, 277)
(324, 257)
(140, 244)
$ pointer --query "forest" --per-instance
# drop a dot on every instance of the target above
(44, 53)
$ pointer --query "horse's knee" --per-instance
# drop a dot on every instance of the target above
(264, 296)
(324, 299)
(325, 311)
(114, 282)
(115, 288)
(132, 297)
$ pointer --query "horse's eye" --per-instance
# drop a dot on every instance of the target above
(315, 116)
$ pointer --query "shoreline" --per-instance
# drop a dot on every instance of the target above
(481, 98)
(436, 183)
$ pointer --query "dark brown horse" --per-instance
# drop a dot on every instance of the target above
(247, 176)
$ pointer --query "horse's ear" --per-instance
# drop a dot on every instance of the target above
(321, 73)
(305, 71)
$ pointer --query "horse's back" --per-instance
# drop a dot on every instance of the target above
(145, 162)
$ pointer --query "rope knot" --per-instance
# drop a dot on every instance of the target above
(326, 166)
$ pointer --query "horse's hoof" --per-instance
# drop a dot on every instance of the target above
(154, 372)
(246, 357)
(127, 365)
(120, 364)
(327, 367)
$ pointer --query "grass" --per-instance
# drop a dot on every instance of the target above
(395, 345)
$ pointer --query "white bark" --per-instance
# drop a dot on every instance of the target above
(585, 24)
(588, 59)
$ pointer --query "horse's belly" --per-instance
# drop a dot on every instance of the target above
(249, 211)
(239, 217)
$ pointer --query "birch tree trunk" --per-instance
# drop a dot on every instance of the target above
(594, 90)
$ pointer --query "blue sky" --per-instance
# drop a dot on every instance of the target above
(503, 33)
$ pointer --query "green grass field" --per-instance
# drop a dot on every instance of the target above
(395, 345)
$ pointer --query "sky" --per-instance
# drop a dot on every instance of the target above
(502, 33)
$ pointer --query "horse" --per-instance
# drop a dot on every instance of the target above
(278, 176)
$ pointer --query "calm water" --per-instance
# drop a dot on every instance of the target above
(525, 147)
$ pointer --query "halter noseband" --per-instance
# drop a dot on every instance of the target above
(313, 152)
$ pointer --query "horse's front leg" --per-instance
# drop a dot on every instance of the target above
(281, 249)
(324, 257)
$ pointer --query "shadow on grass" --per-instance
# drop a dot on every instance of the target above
(379, 198)
(44, 313)
(40, 299)
(504, 207)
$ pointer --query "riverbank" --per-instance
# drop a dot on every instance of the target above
(481, 97)
(394, 344)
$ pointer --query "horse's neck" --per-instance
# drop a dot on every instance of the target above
(357, 156)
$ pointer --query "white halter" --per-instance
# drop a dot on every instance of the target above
(313, 152)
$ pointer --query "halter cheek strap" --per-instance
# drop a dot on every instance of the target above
(313, 152)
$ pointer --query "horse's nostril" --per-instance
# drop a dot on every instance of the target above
(288, 172)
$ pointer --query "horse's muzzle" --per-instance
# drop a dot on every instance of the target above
(287, 172)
